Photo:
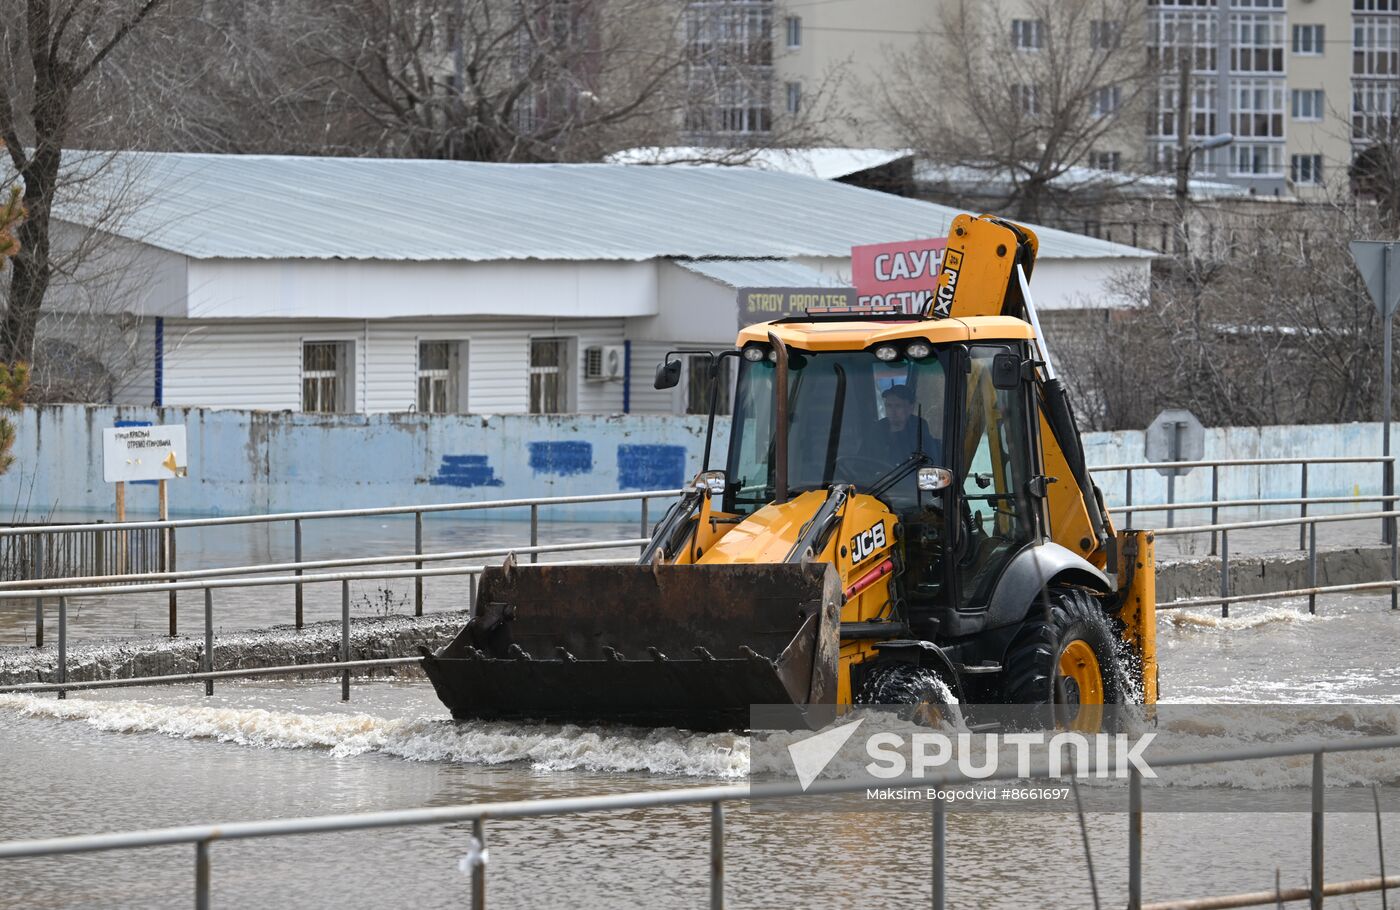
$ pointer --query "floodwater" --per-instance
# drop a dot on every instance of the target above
(139, 758)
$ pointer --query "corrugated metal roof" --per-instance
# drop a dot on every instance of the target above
(282, 207)
(759, 273)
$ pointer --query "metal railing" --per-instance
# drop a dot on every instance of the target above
(202, 837)
(1311, 592)
(1171, 507)
(24, 538)
(85, 551)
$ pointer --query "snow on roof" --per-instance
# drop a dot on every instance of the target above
(827, 163)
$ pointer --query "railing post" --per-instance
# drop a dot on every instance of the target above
(38, 601)
(345, 638)
(296, 557)
(940, 844)
(471, 594)
(1128, 497)
(716, 855)
(1224, 573)
(1171, 498)
(1134, 839)
(1315, 899)
(645, 523)
(1394, 567)
(1387, 491)
(170, 566)
(1303, 512)
(418, 551)
(1312, 566)
(62, 643)
(534, 531)
(201, 875)
(478, 865)
(209, 639)
(1214, 505)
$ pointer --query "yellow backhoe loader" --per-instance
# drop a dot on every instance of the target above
(904, 517)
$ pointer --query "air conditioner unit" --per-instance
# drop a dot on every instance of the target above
(604, 363)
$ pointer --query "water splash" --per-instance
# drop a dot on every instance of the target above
(543, 747)
(1184, 619)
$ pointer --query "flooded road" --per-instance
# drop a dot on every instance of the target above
(165, 756)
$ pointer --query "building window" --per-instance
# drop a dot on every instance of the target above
(1375, 6)
(1106, 161)
(1307, 104)
(1026, 99)
(697, 394)
(1258, 108)
(1373, 106)
(1170, 33)
(1307, 40)
(549, 393)
(440, 377)
(1256, 160)
(1027, 34)
(1256, 43)
(1105, 34)
(1257, 4)
(1375, 46)
(1307, 169)
(1105, 101)
(326, 376)
(794, 97)
(1201, 110)
(728, 67)
(794, 31)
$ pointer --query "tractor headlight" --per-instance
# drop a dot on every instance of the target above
(773, 355)
(887, 352)
(935, 479)
(918, 350)
(753, 353)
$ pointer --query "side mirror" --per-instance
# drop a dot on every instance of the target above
(668, 375)
(1006, 371)
(934, 479)
(713, 481)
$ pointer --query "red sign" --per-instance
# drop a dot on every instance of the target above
(904, 274)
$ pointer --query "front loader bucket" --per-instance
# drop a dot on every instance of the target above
(663, 645)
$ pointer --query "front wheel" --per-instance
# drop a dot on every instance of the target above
(929, 699)
(1070, 658)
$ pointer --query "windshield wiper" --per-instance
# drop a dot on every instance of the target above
(900, 471)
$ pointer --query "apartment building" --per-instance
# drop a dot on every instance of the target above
(1301, 84)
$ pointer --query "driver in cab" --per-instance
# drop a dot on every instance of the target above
(899, 433)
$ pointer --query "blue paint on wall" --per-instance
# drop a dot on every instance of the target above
(465, 471)
(136, 423)
(650, 467)
(563, 458)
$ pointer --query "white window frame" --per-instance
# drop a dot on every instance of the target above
(1027, 34)
(1257, 108)
(1254, 32)
(1106, 161)
(456, 373)
(344, 375)
(1307, 105)
(1201, 111)
(1309, 175)
(565, 370)
(1026, 97)
(1105, 34)
(1375, 45)
(1169, 31)
(1272, 153)
(1106, 101)
(1309, 40)
(793, 91)
(792, 26)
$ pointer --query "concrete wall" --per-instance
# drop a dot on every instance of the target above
(242, 461)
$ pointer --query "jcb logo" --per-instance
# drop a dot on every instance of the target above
(868, 541)
(943, 303)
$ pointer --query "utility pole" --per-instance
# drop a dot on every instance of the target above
(1183, 146)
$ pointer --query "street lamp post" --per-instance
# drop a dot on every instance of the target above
(1186, 149)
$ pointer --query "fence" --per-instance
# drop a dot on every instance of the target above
(203, 836)
(45, 552)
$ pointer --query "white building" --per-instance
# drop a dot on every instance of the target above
(364, 285)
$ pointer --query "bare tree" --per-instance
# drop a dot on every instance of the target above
(1278, 330)
(1024, 98)
(495, 80)
(49, 52)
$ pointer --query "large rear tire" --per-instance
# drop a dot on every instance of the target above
(929, 699)
(1072, 658)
